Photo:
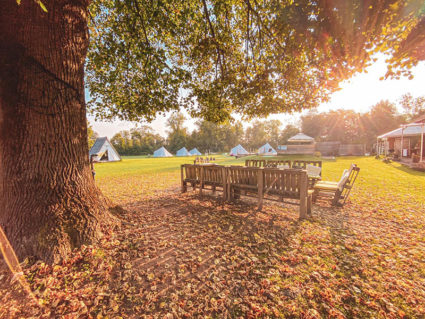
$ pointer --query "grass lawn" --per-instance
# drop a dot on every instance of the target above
(177, 255)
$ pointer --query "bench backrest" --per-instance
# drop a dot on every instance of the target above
(255, 163)
(192, 172)
(276, 163)
(303, 164)
(213, 174)
(267, 163)
(243, 175)
(288, 183)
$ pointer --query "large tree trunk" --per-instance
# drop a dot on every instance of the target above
(49, 203)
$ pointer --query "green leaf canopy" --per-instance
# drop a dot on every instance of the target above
(252, 57)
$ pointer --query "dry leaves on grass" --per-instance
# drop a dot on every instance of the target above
(184, 256)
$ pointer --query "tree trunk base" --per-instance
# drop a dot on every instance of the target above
(82, 222)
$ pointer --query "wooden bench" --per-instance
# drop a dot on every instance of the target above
(267, 163)
(267, 182)
(303, 164)
(204, 176)
(190, 174)
(337, 190)
(213, 177)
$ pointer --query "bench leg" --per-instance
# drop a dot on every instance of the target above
(303, 208)
(184, 187)
(260, 201)
(213, 190)
(309, 204)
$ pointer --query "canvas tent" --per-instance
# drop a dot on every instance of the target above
(162, 152)
(103, 151)
(194, 151)
(267, 149)
(238, 150)
(182, 152)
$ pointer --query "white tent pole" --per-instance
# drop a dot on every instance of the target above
(422, 141)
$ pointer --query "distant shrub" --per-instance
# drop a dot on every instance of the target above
(378, 157)
(317, 154)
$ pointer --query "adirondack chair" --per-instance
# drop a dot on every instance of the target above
(338, 191)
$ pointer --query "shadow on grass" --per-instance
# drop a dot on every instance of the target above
(409, 170)
(350, 266)
(221, 251)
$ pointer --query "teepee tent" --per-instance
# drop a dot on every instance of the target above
(238, 150)
(162, 152)
(103, 151)
(194, 151)
(182, 152)
(267, 149)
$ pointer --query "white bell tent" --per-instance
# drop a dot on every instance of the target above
(103, 151)
(182, 152)
(162, 152)
(238, 150)
(267, 149)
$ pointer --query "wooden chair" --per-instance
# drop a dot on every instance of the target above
(337, 190)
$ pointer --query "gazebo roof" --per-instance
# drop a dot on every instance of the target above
(301, 137)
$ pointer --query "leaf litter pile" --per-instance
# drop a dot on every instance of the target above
(183, 256)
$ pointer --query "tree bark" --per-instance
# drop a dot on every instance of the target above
(49, 203)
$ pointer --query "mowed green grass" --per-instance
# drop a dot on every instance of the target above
(365, 260)
(136, 177)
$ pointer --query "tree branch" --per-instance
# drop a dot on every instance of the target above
(207, 16)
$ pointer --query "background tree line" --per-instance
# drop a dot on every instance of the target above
(345, 126)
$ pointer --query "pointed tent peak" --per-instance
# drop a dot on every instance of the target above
(104, 151)
(194, 151)
(238, 150)
(162, 152)
(97, 145)
(182, 152)
(301, 137)
(267, 149)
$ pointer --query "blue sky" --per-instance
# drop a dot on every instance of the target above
(358, 94)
